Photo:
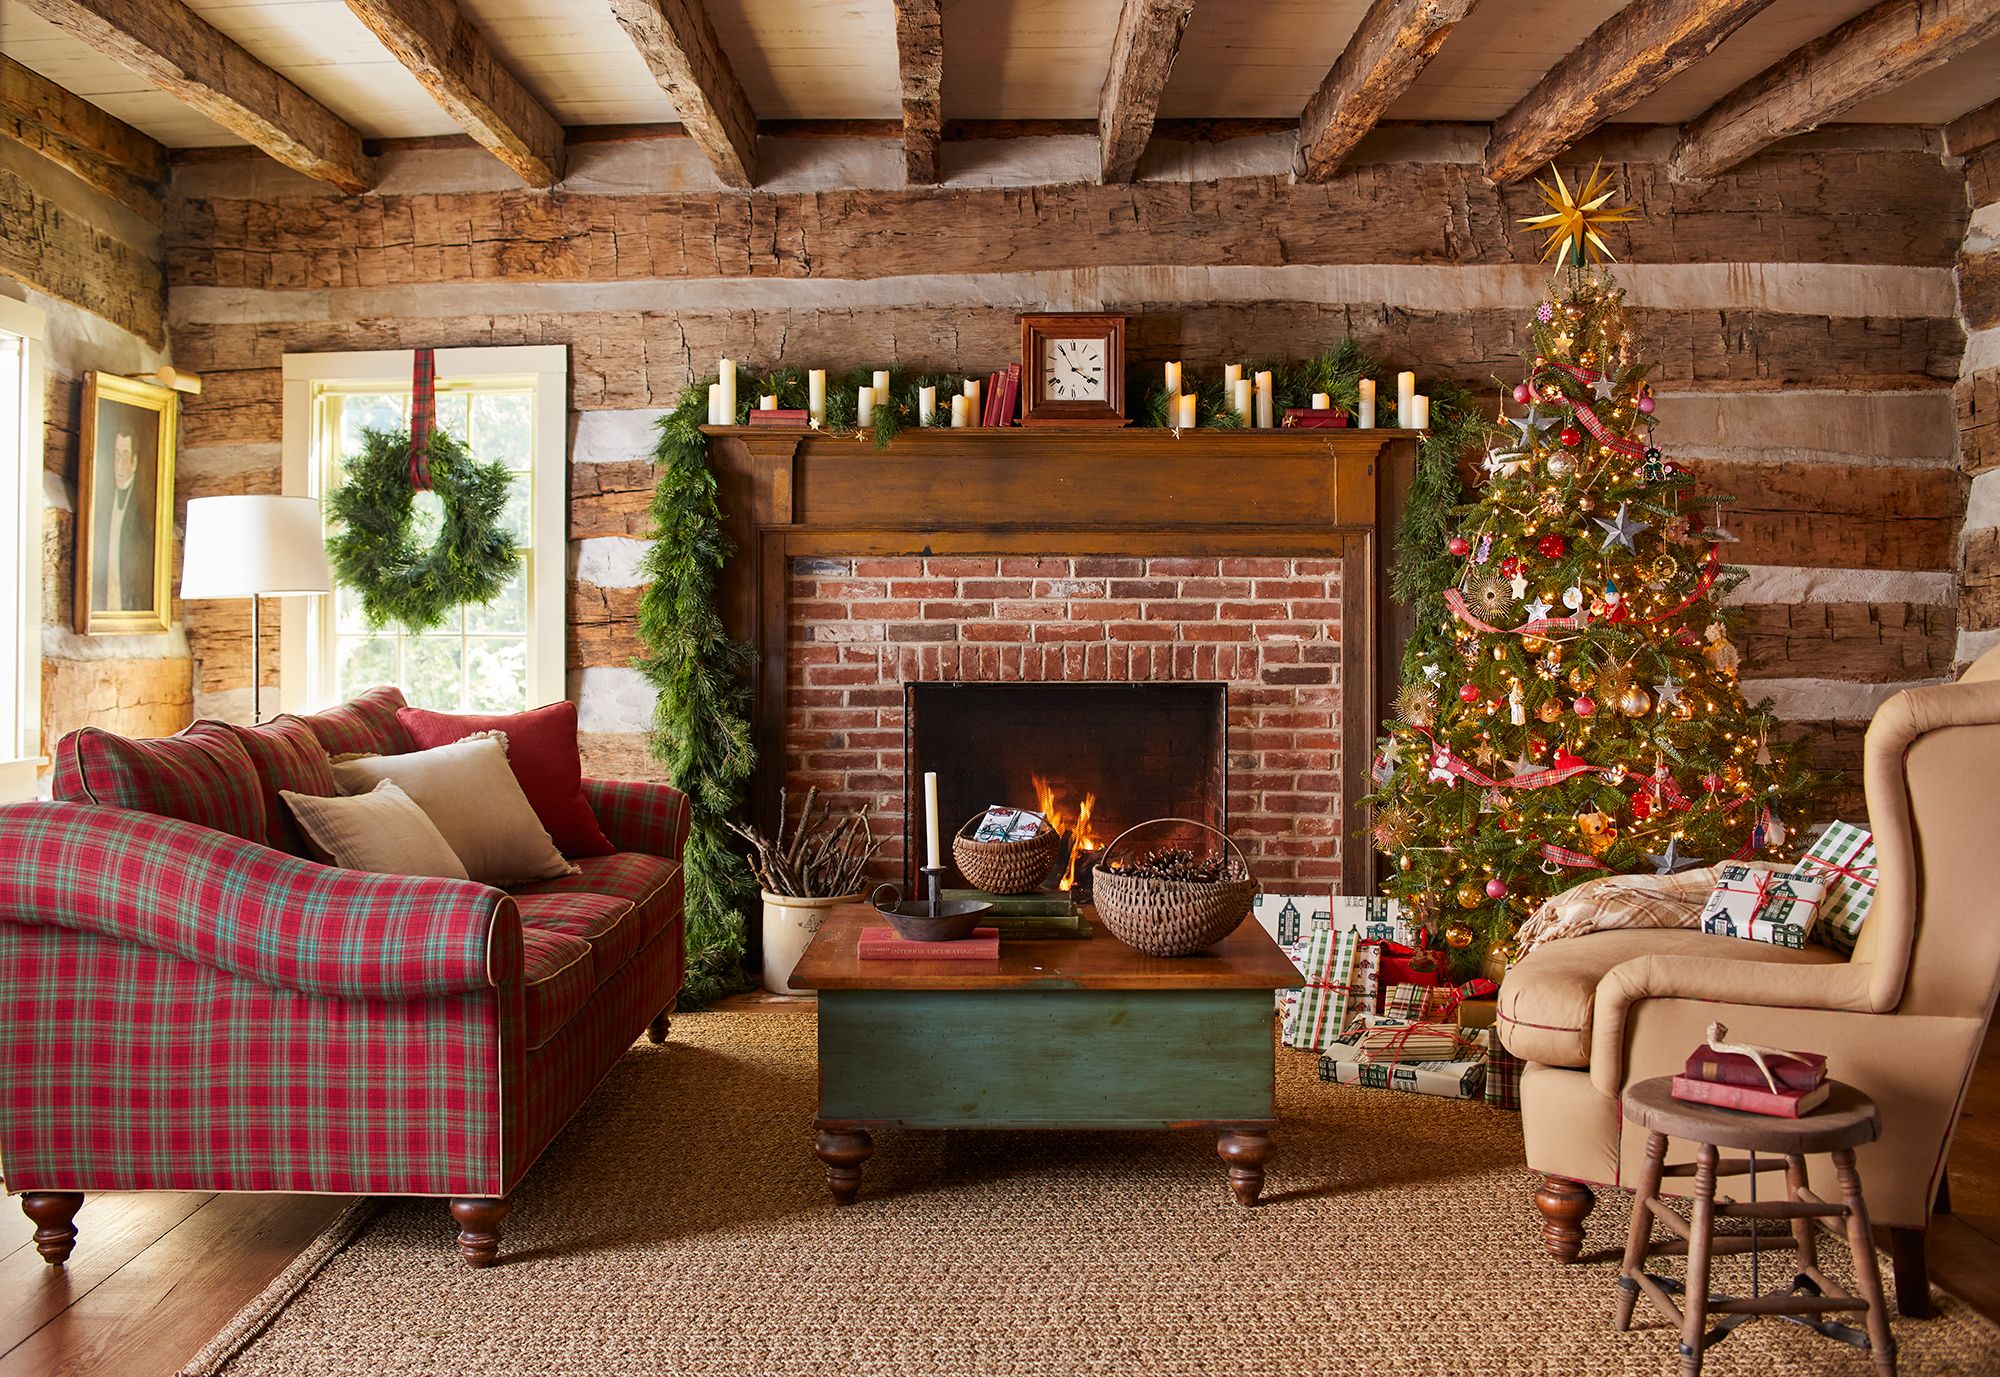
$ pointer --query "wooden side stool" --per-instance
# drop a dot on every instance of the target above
(1846, 1120)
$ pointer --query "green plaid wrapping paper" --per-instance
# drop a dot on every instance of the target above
(1321, 1010)
(1419, 1002)
(1844, 857)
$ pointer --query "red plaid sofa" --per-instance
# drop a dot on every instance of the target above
(187, 1003)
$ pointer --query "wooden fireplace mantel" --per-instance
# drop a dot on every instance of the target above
(789, 494)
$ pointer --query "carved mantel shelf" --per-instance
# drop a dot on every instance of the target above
(792, 493)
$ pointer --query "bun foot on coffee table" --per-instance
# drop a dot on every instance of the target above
(843, 1150)
(1246, 1150)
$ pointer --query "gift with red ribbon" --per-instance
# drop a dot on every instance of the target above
(1423, 1058)
(1844, 857)
(1761, 904)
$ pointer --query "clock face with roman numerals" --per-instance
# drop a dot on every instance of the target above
(1073, 370)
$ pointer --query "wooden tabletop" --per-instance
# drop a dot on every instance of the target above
(1247, 959)
(1847, 1119)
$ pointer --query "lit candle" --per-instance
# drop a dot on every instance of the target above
(816, 395)
(1239, 396)
(1264, 418)
(972, 415)
(728, 370)
(715, 404)
(768, 402)
(931, 819)
(926, 405)
(864, 407)
(958, 413)
(1174, 379)
(1406, 391)
(1186, 409)
(1420, 412)
(1322, 401)
(882, 385)
(1367, 403)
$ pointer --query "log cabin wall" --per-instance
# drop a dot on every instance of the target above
(1978, 394)
(1803, 309)
(91, 265)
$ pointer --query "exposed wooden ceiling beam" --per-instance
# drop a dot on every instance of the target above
(187, 57)
(1874, 52)
(1974, 130)
(678, 42)
(1632, 54)
(69, 131)
(1395, 41)
(1142, 56)
(920, 65)
(456, 65)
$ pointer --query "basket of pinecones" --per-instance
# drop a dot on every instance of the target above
(1172, 899)
(1004, 867)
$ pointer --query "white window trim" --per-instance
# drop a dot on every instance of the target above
(546, 368)
(21, 745)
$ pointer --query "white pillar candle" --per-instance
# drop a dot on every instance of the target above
(1185, 405)
(816, 395)
(864, 407)
(715, 404)
(1232, 374)
(882, 385)
(1264, 401)
(1420, 412)
(1322, 401)
(973, 416)
(926, 405)
(1406, 391)
(931, 820)
(958, 413)
(728, 369)
(1240, 391)
(768, 402)
(1367, 403)
(1174, 379)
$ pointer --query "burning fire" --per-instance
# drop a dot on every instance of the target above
(1082, 839)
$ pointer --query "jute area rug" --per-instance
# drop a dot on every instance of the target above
(681, 1225)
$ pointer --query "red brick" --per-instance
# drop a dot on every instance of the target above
(1143, 588)
(996, 631)
(1324, 825)
(1180, 611)
(1253, 568)
(878, 698)
(1140, 631)
(1104, 610)
(995, 588)
(1291, 588)
(841, 717)
(1299, 760)
(876, 740)
(1318, 870)
(883, 611)
(1215, 588)
(924, 588)
(1025, 611)
(1250, 611)
(841, 589)
(1299, 803)
(959, 567)
(1181, 567)
(841, 760)
(1286, 631)
(888, 568)
(826, 676)
(1106, 566)
(1291, 674)
(1069, 588)
(1069, 631)
(841, 632)
(810, 612)
(957, 611)
(815, 654)
(1035, 568)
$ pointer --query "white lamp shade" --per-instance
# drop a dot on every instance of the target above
(240, 547)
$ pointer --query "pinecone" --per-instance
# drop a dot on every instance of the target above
(1175, 863)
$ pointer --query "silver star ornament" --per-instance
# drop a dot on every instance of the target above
(1604, 388)
(1537, 610)
(1668, 694)
(1620, 529)
(1671, 861)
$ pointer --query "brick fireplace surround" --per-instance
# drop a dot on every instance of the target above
(1266, 627)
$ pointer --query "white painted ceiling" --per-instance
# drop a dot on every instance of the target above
(1004, 59)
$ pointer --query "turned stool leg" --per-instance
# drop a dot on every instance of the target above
(54, 1213)
(1805, 1232)
(1641, 1233)
(1867, 1275)
(1701, 1234)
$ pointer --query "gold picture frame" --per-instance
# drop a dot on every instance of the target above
(125, 507)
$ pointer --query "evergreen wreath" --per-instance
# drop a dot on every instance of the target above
(373, 546)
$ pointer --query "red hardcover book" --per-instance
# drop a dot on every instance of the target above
(989, 399)
(882, 944)
(1733, 1068)
(787, 416)
(1314, 418)
(1010, 395)
(1784, 1104)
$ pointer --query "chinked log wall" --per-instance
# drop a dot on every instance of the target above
(1802, 309)
(1979, 407)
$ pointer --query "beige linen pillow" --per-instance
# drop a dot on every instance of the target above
(472, 796)
(380, 831)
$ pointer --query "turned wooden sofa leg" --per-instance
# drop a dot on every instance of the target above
(479, 1227)
(1913, 1277)
(1564, 1204)
(54, 1213)
(656, 1031)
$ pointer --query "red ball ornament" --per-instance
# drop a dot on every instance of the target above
(1496, 888)
(1585, 705)
(1523, 393)
(1552, 546)
(1645, 406)
(1642, 806)
(1570, 436)
(1468, 693)
(1510, 566)
(1459, 546)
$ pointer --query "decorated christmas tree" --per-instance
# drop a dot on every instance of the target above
(1574, 708)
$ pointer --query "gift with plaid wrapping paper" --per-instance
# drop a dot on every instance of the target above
(1843, 857)
(1422, 1058)
(1320, 1011)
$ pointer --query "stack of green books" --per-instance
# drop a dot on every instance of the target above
(1028, 916)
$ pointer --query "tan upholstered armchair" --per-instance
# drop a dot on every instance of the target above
(1903, 1020)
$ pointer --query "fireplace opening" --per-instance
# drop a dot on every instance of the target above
(1097, 758)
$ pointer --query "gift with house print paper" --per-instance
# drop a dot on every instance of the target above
(1763, 904)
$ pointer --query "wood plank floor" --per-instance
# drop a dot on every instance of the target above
(156, 1276)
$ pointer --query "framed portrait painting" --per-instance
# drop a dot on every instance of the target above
(125, 507)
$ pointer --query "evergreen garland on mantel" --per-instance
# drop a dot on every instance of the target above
(701, 716)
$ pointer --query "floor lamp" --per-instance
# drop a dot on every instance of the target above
(254, 547)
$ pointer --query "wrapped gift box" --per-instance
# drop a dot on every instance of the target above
(1419, 1002)
(1377, 920)
(1843, 857)
(1762, 904)
(1347, 1062)
(1320, 1011)
(1503, 1078)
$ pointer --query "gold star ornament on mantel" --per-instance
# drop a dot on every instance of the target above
(1574, 221)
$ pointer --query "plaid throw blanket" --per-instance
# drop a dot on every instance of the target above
(1620, 901)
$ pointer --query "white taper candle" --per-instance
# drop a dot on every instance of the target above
(728, 372)
(931, 819)
(864, 406)
(816, 395)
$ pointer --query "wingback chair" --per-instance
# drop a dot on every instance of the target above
(1904, 1019)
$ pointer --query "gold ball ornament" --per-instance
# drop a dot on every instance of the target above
(1469, 896)
(1579, 678)
(1549, 711)
(1635, 702)
(1405, 862)
(1457, 936)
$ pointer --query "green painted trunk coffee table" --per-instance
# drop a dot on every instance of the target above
(1087, 1034)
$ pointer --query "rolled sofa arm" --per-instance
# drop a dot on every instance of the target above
(1716, 980)
(246, 909)
(640, 816)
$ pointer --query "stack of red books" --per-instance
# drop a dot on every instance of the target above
(1732, 1080)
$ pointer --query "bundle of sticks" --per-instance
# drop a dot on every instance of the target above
(817, 861)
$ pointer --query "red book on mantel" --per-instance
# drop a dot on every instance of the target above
(882, 944)
(1798, 1071)
(784, 416)
(1783, 1104)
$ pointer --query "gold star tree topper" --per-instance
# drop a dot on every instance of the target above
(1573, 221)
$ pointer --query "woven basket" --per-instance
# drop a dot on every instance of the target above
(1004, 867)
(1172, 917)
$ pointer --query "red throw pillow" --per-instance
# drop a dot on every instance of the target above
(542, 750)
(288, 757)
(201, 775)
